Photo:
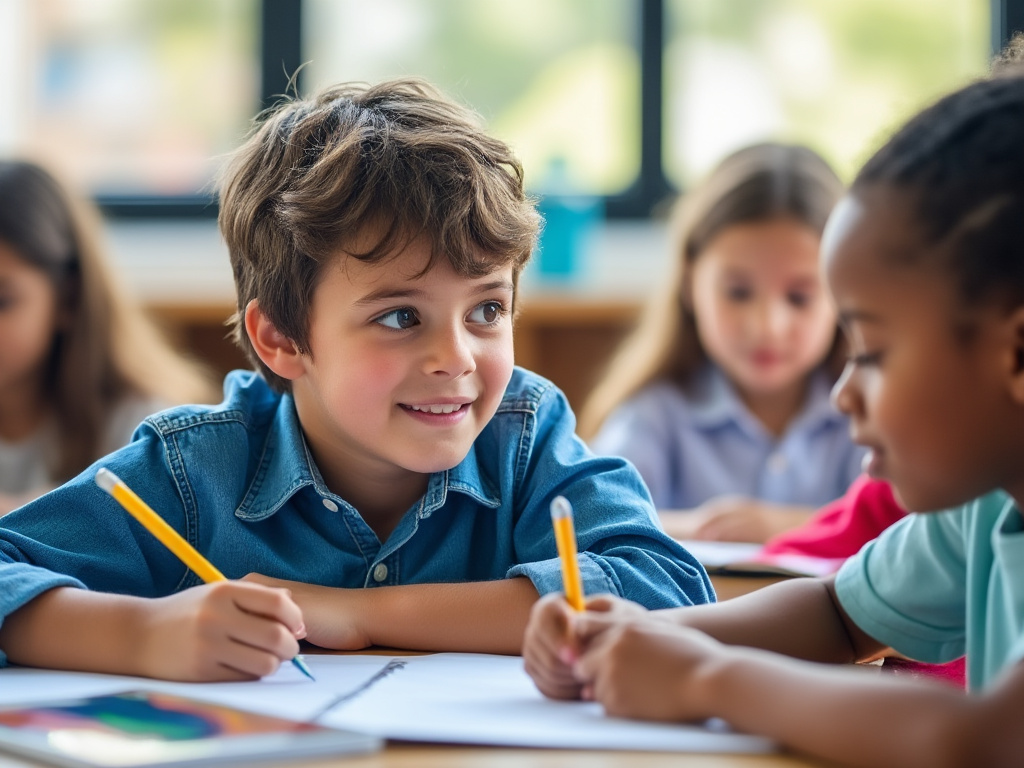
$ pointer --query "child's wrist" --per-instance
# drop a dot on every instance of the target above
(712, 682)
(139, 654)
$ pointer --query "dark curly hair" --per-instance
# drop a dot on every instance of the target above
(961, 161)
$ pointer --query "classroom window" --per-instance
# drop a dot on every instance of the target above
(139, 100)
(835, 75)
(557, 79)
(128, 97)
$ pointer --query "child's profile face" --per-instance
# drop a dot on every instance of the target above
(29, 315)
(761, 310)
(404, 370)
(930, 406)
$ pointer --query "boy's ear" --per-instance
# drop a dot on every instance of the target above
(1016, 326)
(276, 350)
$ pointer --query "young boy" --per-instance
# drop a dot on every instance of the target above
(376, 236)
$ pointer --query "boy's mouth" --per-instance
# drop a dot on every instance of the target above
(436, 408)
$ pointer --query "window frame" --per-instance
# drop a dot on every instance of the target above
(281, 54)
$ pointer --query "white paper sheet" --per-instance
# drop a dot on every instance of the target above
(481, 699)
(452, 698)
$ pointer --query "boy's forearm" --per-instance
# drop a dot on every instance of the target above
(855, 716)
(797, 617)
(68, 628)
(479, 617)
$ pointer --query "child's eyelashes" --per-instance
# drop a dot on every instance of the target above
(398, 319)
(488, 313)
(404, 318)
(865, 359)
(798, 300)
(738, 293)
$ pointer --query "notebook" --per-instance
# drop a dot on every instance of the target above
(730, 558)
(149, 728)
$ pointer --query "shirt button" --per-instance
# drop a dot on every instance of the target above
(380, 572)
(777, 463)
(330, 505)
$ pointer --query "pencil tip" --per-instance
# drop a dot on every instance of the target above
(301, 665)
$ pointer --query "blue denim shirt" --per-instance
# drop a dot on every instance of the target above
(237, 480)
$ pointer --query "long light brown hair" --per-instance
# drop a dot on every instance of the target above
(760, 183)
(106, 348)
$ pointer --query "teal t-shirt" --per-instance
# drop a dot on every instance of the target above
(938, 585)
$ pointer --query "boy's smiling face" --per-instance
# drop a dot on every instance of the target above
(403, 370)
(933, 406)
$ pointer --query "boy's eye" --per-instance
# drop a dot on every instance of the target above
(399, 319)
(487, 313)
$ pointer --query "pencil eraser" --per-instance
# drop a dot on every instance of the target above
(106, 479)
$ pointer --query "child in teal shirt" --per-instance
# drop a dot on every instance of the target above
(924, 261)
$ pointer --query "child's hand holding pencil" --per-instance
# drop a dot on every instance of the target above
(561, 625)
(222, 630)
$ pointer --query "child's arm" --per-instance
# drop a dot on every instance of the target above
(479, 617)
(222, 631)
(734, 518)
(858, 717)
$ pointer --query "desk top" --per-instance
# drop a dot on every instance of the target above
(727, 587)
(451, 756)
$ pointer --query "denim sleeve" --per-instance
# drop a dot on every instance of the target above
(78, 536)
(622, 549)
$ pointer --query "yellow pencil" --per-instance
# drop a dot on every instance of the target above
(565, 540)
(167, 536)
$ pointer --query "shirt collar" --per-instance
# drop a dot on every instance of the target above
(286, 466)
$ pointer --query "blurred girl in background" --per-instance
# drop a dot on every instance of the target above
(721, 395)
(80, 364)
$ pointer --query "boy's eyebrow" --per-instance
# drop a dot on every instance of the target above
(388, 292)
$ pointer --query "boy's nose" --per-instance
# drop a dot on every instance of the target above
(451, 353)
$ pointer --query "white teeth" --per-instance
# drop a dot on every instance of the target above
(436, 408)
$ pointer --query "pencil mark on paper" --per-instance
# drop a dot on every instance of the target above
(387, 669)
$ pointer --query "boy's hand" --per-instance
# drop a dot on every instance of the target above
(332, 614)
(555, 635)
(650, 670)
(227, 630)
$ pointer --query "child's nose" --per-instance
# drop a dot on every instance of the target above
(772, 319)
(451, 353)
(844, 393)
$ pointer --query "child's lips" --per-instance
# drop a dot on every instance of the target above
(438, 413)
(765, 359)
(436, 408)
(873, 463)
